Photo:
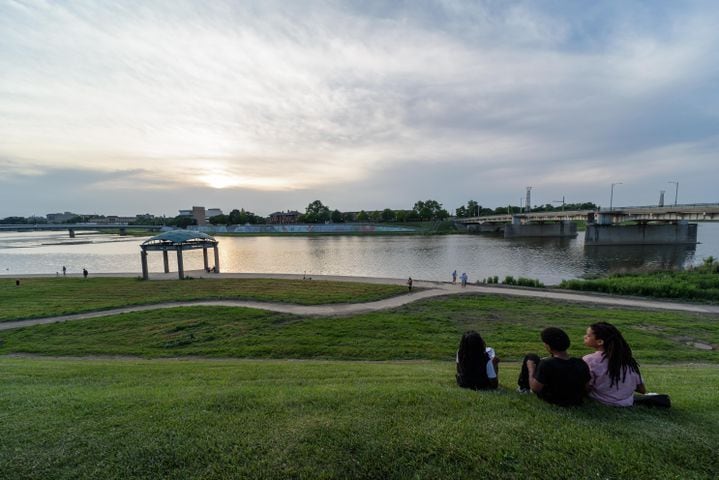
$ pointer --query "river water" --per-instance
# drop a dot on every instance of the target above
(422, 257)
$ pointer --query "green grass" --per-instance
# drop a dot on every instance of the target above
(690, 285)
(425, 330)
(364, 396)
(69, 419)
(40, 297)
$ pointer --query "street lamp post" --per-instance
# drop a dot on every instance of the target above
(611, 195)
(676, 192)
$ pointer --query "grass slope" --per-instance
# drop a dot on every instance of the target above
(336, 414)
(425, 330)
(698, 283)
(67, 419)
(40, 297)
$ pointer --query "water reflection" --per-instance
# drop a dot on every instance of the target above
(421, 257)
(637, 258)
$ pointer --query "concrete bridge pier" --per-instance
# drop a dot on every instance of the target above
(562, 229)
(679, 233)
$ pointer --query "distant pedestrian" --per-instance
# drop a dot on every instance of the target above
(17, 282)
(454, 277)
(409, 283)
(84, 272)
(64, 270)
(464, 279)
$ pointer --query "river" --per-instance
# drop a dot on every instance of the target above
(422, 257)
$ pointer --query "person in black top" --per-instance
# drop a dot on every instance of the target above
(558, 379)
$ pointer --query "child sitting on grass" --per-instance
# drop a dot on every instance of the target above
(476, 363)
(558, 379)
(615, 373)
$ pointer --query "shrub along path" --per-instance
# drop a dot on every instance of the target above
(422, 291)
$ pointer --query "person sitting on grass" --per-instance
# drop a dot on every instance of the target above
(558, 379)
(615, 373)
(477, 364)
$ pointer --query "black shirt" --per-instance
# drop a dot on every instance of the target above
(564, 380)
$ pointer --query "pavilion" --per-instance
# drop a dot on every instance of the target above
(178, 240)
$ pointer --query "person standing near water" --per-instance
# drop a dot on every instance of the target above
(64, 270)
(84, 272)
(454, 277)
(464, 279)
(409, 284)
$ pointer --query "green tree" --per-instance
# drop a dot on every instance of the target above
(316, 212)
(219, 220)
(388, 215)
(13, 220)
(362, 216)
(336, 216)
(430, 210)
(400, 215)
(460, 212)
(472, 208)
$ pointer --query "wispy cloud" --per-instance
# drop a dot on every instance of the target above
(283, 96)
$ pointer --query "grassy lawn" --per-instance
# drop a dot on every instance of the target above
(427, 330)
(69, 419)
(40, 297)
(365, 396)
(699, 283)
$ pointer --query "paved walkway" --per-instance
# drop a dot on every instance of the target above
(424, 289)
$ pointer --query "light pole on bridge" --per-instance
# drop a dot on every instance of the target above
(676, 192)
(611, 195)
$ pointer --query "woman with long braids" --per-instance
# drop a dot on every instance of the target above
(615, 373)
(476, 363)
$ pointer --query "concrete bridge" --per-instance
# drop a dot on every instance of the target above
(642, 225)
(74, 227)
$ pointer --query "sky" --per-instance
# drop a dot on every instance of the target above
(146, 106)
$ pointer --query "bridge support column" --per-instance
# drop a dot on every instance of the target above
(180, 266)
(678, 233)
(165, 261)
(71, 232)
(563, 229)
(217, 259)
(143, 261)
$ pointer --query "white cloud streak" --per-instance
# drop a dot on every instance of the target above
(278, 97)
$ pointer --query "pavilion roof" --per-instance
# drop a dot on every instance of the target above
(179, 240)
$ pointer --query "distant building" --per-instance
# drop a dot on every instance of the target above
(60, 217)
(290, 216)
(213, 212)
(198, 213)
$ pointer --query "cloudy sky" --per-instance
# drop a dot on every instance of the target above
(152, 106)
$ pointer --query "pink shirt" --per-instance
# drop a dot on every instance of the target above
(621, 395)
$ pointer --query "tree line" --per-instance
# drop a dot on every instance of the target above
(317, 212)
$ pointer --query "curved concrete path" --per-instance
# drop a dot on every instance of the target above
(425, 289)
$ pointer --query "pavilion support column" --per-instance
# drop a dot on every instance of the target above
(217, 259)
(166, 261)
(180, 267)
(204, 257)
(143, 260)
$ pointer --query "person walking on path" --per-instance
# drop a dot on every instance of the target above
(454, 277)
(84, 272)
(464, 279)
(409, 283)
(64, 270)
